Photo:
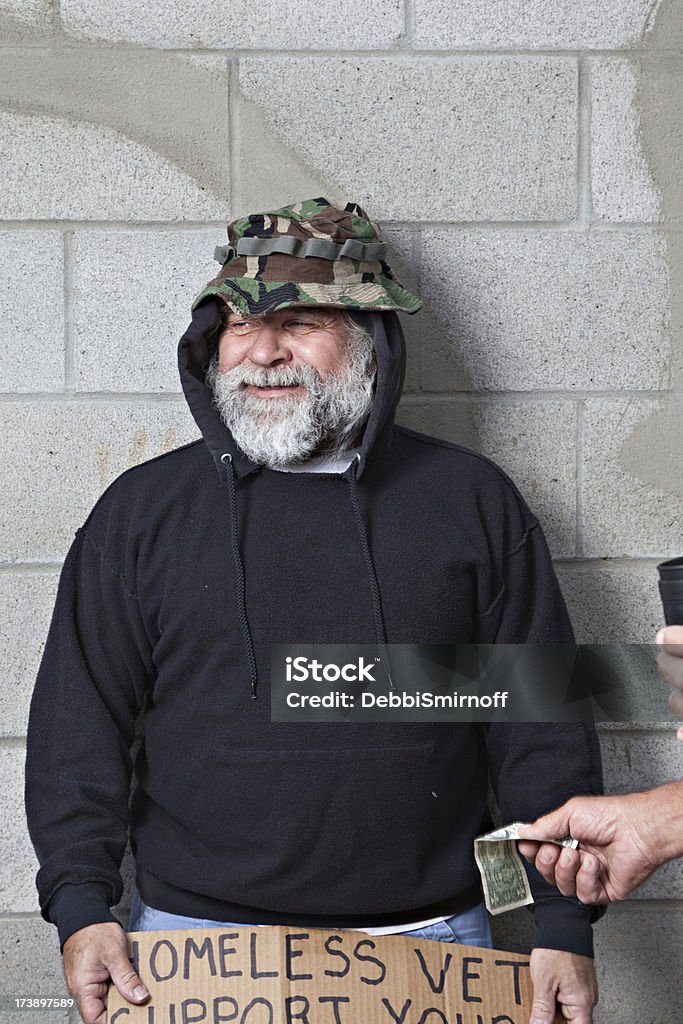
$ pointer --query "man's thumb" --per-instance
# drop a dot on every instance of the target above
(543, 1010)
(551, 826)
(126, 980)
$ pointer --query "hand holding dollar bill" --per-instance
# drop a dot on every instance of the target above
(503, 877)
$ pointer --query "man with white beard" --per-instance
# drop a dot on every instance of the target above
(280, 408)
(303, 515)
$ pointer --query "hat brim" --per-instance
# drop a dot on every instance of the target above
(254, 297)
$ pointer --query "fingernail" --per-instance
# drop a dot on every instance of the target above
(140, 992)
(659, 639)
(545, 857)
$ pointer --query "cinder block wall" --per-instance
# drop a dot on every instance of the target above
(524, 157)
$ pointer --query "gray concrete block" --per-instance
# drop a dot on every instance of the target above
(638, 959)
(452, 421)
(27, 600)
(520, 25)
(446, 361)
(612, 604)
(474, 139)
(540, 310)
(533, 442)
(132, 294)
(30, 965)
(665, 30)
(18, 863)
(622, 183)
(401, 259)
(31, 311)
(26, 20)
(198, 23)
(658, 109)
(635, 761)
(270, 172)
(665, 884)
(61, 169)
(75, 450)
(631, 486)
(102, 133)
(628, 691)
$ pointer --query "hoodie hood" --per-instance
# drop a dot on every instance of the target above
(198, 344)
(194, 353)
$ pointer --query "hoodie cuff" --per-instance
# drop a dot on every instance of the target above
(76, 906)
(564, 924)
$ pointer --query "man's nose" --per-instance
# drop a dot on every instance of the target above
(269, 345)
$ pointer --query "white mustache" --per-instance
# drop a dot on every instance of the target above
(283, 376)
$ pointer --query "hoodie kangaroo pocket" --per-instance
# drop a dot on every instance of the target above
(300, 823)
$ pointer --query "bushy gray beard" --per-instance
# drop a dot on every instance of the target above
(291, 429)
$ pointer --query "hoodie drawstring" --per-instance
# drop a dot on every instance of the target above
(378, 618)
(380, 631)
(226, 459)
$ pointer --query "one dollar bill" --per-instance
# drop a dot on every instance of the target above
(503, 877)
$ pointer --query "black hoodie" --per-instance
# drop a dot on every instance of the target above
(187, 570)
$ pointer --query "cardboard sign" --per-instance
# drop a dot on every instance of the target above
(277, 975)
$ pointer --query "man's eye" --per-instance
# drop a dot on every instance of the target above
(241, 325)
(302, 325)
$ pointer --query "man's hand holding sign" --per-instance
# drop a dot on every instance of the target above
(282, 975)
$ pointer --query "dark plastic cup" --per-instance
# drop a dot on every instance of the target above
(671, 590)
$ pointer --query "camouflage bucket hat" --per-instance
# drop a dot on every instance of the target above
(311, 253)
